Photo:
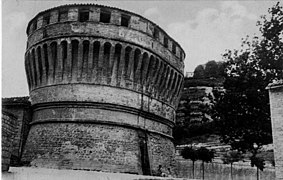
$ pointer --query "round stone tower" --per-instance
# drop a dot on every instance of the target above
(104, 85)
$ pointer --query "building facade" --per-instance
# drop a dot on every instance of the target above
(104, 86)
(276, 109)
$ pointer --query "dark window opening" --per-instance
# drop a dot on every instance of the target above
(63, 16)
(83, 15)
(125, 20)
(46, 20)
(105, 17)
(165, 42)
(174, 48)
(156, 33)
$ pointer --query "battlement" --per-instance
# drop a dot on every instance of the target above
(98, 14)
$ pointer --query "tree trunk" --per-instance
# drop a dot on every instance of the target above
(193, 169)
(257, 173)
(231, 171)
(202, 169)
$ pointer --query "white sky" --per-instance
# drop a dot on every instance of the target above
(203, 28)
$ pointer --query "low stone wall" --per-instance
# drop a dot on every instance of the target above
(17, 173)
(219, 171)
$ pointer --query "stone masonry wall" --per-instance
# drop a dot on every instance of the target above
(83, 146)
(20, 108)
(8, 132)
(276, 106)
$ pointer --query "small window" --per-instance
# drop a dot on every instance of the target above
(156, 33)
(46, 20)
(165, 42)
(83, 15)
(63, 16)
(174, 48)
(105, 17)
(125, 20)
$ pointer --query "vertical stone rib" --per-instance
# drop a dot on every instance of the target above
(171, 85)
(80, 61)
(130, 70)
(58, 71)
(176, 88)
(32, 69)
(50, 63)
(100, 63)
(111, 64)
(43, 65)
(96, 47)
(27, 70)
(166, 86)
(37, 71)
(121, 72)
(106, 62)
(85, 59)
(150, 73)
(68, 71)
(90, 62)
(138, 73)
(165, 89)
(161, 69)
(145, 63)
(162, 87)
(178, 93)
(157, 76)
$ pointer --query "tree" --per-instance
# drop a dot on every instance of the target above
(192, 154)
(205, 155)
(242, 112)
(199, 72)
(230, 157)
(211, 69)
(258, 162)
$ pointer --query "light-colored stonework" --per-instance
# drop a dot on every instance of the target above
(104, 86)
(276, 107)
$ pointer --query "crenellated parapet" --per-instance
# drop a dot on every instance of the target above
(104, 86)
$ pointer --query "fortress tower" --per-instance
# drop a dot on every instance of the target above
(104, 86)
